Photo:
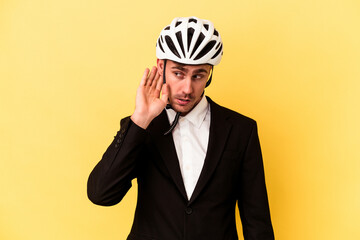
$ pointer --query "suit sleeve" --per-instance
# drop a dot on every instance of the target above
(253, 201)
(111, 178)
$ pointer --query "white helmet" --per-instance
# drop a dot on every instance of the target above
(190, 41)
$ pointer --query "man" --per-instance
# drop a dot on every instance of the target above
(192, 158)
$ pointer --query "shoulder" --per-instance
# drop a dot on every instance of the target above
(230, 115)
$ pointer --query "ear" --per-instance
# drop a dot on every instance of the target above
(160, 66)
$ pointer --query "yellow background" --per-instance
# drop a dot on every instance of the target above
(69, 72)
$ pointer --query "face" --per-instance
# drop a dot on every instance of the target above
(186, 83)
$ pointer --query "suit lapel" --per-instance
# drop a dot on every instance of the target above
(166, 147)
(219, 131)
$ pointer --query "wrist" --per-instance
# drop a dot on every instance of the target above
(140, 119)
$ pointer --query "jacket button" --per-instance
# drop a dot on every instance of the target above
(116, 145)
(118, 141)
(188, 210)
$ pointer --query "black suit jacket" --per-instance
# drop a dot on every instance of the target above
(233, 171)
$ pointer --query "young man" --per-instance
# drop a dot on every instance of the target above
(192, 158)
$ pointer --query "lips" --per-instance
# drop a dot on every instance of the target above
(182, 102)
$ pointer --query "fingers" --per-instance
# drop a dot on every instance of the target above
(147, 79)
(164, 93)
(144, 77)
(159, 82)
(151, 77)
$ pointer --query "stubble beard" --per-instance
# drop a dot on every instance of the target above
(186, 108)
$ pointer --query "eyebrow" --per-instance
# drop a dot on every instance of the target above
(182, 68)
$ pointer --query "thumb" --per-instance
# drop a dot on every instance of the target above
(165, 93)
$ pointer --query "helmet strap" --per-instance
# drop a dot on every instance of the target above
(164, 80)
(173, 124)
(210, 78)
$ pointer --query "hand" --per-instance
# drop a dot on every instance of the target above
(148, 103)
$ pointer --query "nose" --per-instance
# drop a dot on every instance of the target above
(187, 86)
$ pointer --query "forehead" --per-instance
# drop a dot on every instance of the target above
(191, 68)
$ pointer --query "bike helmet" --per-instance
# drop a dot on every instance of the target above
(190, 40)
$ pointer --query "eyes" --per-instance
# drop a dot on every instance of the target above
(181, 75)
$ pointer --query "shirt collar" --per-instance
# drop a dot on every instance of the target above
(196, 116)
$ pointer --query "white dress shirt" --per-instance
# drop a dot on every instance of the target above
(191, 137)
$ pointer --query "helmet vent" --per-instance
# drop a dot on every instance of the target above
(216, 32)
(177, 23)
(167, 28)
(218, 52)
(161, 46)
(171, 46)
(179, 38)
(192, 20)
(206, 26)
(197, 44)
(206, 49)
(190, 34)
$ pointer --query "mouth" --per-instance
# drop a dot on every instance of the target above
(182, 101)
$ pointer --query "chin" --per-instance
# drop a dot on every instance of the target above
(183, 110)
